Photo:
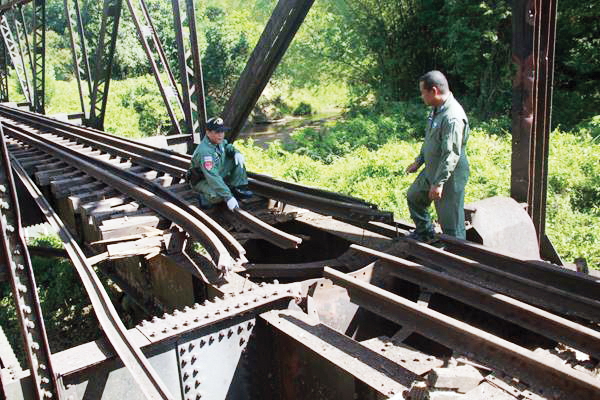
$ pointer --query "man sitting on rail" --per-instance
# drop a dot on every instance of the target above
(217, 169)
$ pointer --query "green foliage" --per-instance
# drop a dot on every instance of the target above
(302, 109)
(577, 62)
(402, 121)
(145, 99)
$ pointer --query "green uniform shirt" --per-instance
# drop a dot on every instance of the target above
(210, 159)
(444, 148)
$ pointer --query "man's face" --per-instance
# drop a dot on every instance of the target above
(428, 95)
(215, 137)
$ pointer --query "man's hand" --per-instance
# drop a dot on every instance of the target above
(232, 204)
(412, 167)
(435, 193)
(239, 159)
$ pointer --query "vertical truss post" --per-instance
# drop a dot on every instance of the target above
(81, 63)
(534, 33)
(105, 51)
(20, 273)
(3, 73)
(192, 81)
(272, 45)
(15, 57)
(156, 56)
(39, 55)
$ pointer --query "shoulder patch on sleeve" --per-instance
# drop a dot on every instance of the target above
(207, 162)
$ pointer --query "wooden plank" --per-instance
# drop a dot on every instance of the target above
(129, 225)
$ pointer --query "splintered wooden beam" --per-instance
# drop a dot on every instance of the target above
(272, 45)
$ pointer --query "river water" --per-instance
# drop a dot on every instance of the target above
(263, 134)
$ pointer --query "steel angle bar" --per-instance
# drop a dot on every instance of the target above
(24, 289)
(513, 285)
(532, 318)
(311, 190)
(112, 326)
(549, 377)
(318, 204)
(271, 234)
(147, 35)
(166, 204)
(539, 271)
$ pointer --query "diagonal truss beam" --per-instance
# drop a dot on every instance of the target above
(272, 45)
(16, 56)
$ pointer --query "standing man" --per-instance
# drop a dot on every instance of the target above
(446, 169)
(217, 169)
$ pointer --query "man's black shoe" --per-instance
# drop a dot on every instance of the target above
(427, 238)
(242, 193)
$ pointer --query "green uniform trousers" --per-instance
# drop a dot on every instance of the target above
(450, 208)
(233, 176)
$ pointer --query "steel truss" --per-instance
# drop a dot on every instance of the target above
(81, 62)
(157, 58)
(16, 56)
(105, 51)
(192, 81)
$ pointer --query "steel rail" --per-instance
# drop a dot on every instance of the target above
(165, 156)
(311, 190)
(115, 177)
(513, 285)
(112, 326)
(142, 156)
(271, 234)
(318, 204)
(315, 199)
(24, 289)
(539, 271)
(529, 317)
(549, 377)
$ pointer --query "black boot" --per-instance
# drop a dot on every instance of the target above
(242, 192)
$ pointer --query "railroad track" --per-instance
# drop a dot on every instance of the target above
(401, 293)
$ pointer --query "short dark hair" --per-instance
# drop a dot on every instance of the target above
(437, 79)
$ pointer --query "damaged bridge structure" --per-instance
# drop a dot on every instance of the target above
(300, 293)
